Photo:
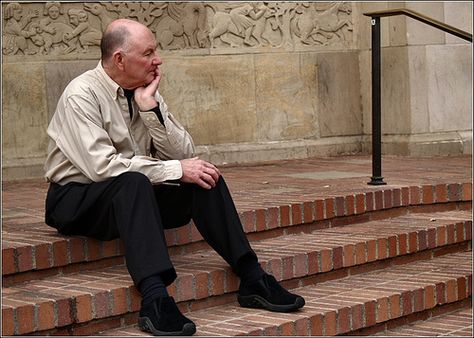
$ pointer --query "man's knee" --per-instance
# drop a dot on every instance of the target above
(134, 177)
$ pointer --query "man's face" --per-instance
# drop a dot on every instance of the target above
(141, 60)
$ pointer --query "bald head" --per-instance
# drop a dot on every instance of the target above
(118, 35)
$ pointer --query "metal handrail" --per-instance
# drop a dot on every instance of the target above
(377, 178)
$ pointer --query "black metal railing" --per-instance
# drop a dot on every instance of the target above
(377, 178)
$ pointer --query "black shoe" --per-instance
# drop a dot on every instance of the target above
(163, 318)
(268, 294)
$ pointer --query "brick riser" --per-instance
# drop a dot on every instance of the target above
(51, 254)
(342, 250)
(349, 304)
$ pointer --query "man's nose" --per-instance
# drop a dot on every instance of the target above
(157, 60)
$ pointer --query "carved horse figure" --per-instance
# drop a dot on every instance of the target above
(183, 20)
(326, 23)
(101, 12)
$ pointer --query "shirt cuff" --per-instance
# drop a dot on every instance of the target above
(157, 111)
(173, 170)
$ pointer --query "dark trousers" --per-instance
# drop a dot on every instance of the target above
(131, 208)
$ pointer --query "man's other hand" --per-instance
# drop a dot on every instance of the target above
(200, 172)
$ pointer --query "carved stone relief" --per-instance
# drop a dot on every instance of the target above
(71, 28)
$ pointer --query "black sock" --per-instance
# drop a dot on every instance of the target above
(152, 287)
(249, 269)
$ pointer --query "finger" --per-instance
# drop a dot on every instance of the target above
(203, 184)
(209, 179)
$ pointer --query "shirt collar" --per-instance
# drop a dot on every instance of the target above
(111, 86)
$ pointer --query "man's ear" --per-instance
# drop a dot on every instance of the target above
(117, 58)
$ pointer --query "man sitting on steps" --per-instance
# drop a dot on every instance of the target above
(120, 165)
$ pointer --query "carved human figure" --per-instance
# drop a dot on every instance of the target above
(14, 32)
(88, 36)
(53, 25)
(240, 21)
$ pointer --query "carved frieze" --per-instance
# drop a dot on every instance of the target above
(62, 29)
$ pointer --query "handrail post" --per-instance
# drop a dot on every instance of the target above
(377, 178)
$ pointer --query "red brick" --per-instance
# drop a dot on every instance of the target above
(430, 296)
(468, 230)
(316, 324)
(119, 301)
(313, 263)
(359, 203)
(395, 310)
(451, 292)
(45, 315)
(402, 244)
(302, 327)
(340, 206)
(301, 265)
(330, 324)
(109, 248)
(217, 282)
(337, 257)
(440, 293)
(378, 198)
(272, 217)
(329, 207)
(319, 210)
(371, 250)
(25, 318)
(248, 221)
(343, 320)
(462, 292)
(60, 253)
(397, 197)
(407, 302)
(422, 240)
(308, 216)
(370, 313)
(450, 233)
(405, 196)
(349, 259)
(287, 329)
(43, 256)
(441, 235)
(360, 253)
(369, 201)
(415, 195)
(8, 261)
(382, 248)
(296, 213)
(387, 199)
(185, 287)
(183, 235)
(467, 191)
(93, 249)
(459, 229)
(392, 246)
(232, 281)
(418, 300)
(8, 321)
(135, 297)
(454, 192)
(102, 305)
(382, 310)
(274, 266)
(350, 207)
(260, 222)
(441, 193)
(427, 191)
(431, 238)
(25, 258)
(326, 260)
(412, 242)
(287, 264)
(83, 308)
(285, 215)
(357, 315)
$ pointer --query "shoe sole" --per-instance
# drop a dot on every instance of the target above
(145, 324)
(257, 302)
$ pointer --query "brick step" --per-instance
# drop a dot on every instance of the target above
(348, 304)
(453, 323)
(205, 279)
(33, 250)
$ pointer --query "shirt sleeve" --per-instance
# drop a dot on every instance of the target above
(170, 139)
(88, 146)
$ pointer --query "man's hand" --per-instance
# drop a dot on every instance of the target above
(145, 96)
(200, 172)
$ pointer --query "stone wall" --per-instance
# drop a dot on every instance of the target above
(251, 81)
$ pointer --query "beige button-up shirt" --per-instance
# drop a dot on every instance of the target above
(92, 137)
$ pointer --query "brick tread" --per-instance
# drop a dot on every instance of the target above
(456, 323)
(80, 297)
(344, 305)
(29, 245)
